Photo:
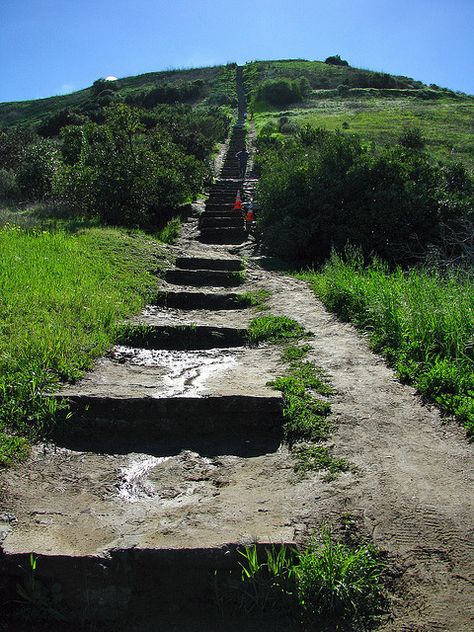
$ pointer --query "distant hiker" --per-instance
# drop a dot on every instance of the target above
(242, 157)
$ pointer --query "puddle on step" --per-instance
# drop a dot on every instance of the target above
(134, 484)
(181, 478)
(186, 372)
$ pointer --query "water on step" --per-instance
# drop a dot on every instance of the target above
(185, 371)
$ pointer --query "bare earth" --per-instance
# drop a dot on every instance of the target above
(411, 490)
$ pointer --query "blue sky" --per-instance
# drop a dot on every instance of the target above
(50, 47)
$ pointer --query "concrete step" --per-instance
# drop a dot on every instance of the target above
(190, 300)
(191, 336)
(203, 263)
(220, 221)
(217, 278)
(223, 235)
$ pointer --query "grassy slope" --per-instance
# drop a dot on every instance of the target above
(34, 111)
(380, 115)
(62, 297)
(421, 321)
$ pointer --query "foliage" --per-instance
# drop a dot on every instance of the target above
(322, 189)
(168, 93)
(275, 329)
(12, 449)
(126, 176)
(279, 92)
(421, 321)
(336, 60)
(55, 122)
(39, 164)
(169, 233)
(327, 582)
(62, 297)
(9, 190)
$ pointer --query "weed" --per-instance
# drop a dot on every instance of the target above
(316, 458)
(293, 353)
(327, 581)
(13, 449)
(335, 580)
(275, 329)
(256, 298)
(39, 601)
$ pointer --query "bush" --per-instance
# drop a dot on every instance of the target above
(343, 90)
(412, 138)
(9, 190)
(125, 175)
(279, 91)
(39, 165)
(323, 189)
(335, 60)
(54, 123)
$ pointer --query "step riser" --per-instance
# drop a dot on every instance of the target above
(184, 337)
(201, 300)
(193, 263)
(162, 427)
(106, 589)
(203, 277)
(221, 222)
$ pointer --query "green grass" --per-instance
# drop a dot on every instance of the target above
(420, 320)
(445, 124)
(255, 298)
(328, 583)
(169, 233)
(62, 298)
(13, 449)
(315, 458)
(275, 329)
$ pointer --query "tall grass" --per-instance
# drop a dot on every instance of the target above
(420, 320)
(61, 299)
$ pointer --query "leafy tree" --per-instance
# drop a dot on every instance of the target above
(335, 60)
(39, 163)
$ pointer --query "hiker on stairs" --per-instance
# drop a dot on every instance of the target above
(242, 157)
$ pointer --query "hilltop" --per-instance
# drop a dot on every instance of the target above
(211, 86)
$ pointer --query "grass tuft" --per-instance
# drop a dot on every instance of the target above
(13, 449)
(310, 458)
(275, 329)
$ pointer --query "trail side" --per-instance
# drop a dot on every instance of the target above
(175, 456)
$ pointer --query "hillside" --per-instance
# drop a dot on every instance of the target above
(213, 86)
(377, 106)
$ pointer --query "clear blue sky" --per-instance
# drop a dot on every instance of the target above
(50, 47)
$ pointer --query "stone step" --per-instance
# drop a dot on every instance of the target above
(223, 235)
(203, 263)
(188, 300)
(220, 221)
(181, 337)
(218, 278)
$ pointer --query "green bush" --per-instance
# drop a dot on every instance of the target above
(38, 167)
(124, 174)
(279, 91)
(9, 190)
(324, 189)
(335, 60)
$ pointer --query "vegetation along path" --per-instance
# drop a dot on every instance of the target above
(175, 456)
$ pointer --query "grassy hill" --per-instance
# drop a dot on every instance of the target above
(218, 87)
(377, 106)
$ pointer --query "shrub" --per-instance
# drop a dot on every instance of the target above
(343, 90)
(54, 123)
(412, 138)
(335, 60)
(323, 189)
(278, 91)
(39, 165)
(9, 190)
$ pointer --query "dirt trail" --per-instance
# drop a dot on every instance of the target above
(175, 457)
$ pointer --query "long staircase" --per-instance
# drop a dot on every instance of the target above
(171, 461)
(221, 223)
